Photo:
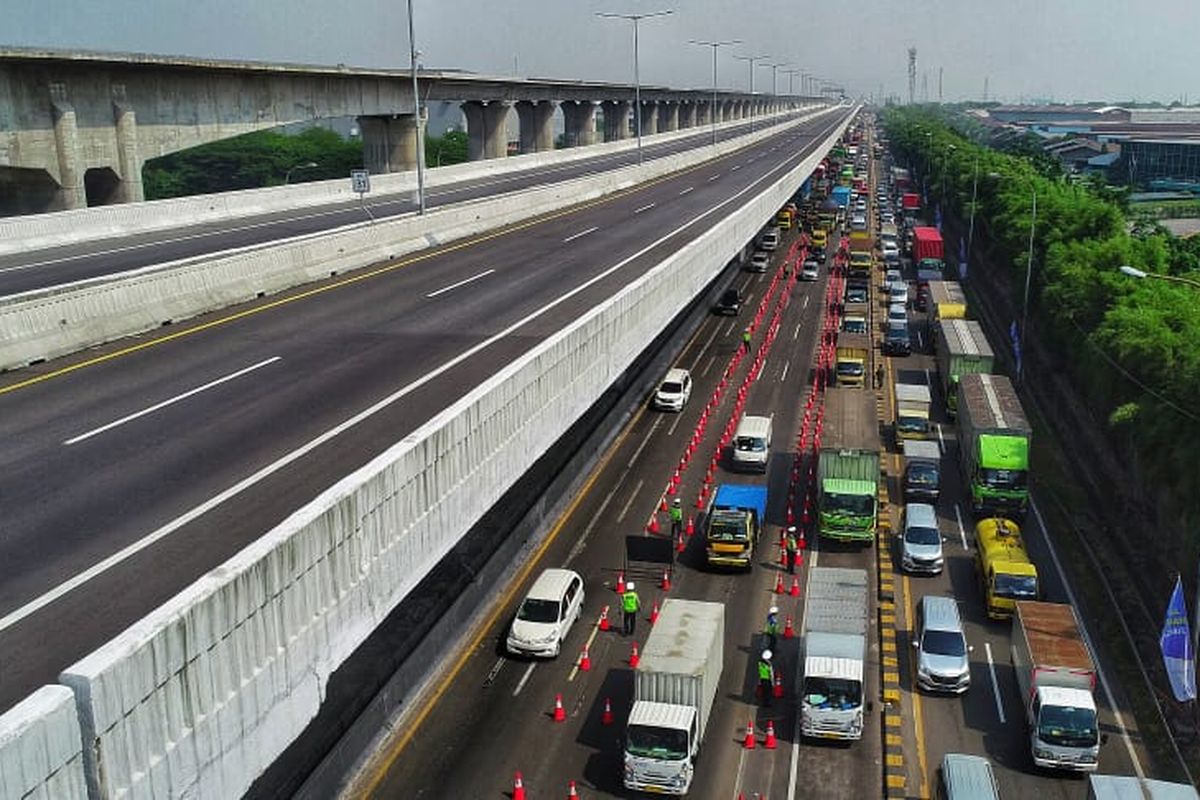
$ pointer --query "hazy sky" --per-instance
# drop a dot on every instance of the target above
(1060, 49)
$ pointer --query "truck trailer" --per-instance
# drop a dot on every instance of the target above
(674, 686)
(835, 652)
(961, 349)
(848, 467)
(993, 445)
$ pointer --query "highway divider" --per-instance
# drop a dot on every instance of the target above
(38, 231)
(200, 696)
(40, 754)
(47, 323)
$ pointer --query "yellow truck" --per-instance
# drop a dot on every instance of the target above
(850, 364)
(1004, 567)
(944, 300)
(784, 220)
(820, 238)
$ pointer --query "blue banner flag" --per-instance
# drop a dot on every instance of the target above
(1176, 644)
(1015, 335)
(937, 215)
(962, 259)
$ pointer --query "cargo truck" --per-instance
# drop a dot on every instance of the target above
(922, 471)
(928, 248)
(1005, 570)
(848, 467)
(850, 366)
(946, 301)
(993, 445)
(835, 651)
(735, 520)
(1131, 787)
(1055, 679)
(674, 686)
(912, 411)
(961, 349)
(841, 195)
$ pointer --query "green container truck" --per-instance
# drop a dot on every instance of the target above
(962, 349)
(993, 446)
(848, 466)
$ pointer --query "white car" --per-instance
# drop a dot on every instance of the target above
(810, 271)
(759, 261)
(891, 252)
(858, 222)
(546, 614)
(891, 278)
(897, 313)
(674, 391)
(898, 293)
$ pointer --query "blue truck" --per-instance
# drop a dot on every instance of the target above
(841, 196)
(735, 518)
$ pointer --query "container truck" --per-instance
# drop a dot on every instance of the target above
(946, 301)
(850, 366)
(841, 195)
(993, 445)
(848, 467)
(961, 349)
(674, 686)
(835, 651)
(1004, 567)
(922, 471)
(912, 411)
(928, 249)
(1131, 787)
(910, 202)
(735, 520)
(1055, 679)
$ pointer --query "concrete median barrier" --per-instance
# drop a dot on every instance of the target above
(40, 753)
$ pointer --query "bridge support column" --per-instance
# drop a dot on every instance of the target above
(129, 159)
(687, 114)
(402, 143)
(487, 134)
(71, 192)
(537, 125)
(649, 117)
(668, 116)
(579, 118)
(702, 112)
(616, 120)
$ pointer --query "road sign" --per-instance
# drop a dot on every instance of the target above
(360, 181)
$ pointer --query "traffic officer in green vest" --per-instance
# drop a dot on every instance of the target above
(771, 629)
(789, 547)
(676, 518)
(746, 339)
(631, 604)
(766, 677)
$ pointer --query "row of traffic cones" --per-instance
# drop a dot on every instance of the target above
(770, 742)
(518, 791)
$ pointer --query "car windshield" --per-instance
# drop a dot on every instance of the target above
(535, 610)
(671, 387)
(923, 475)
(944, 643)
(752, 444)
(729, 297)
(854, 326)
(835, 693)
(1003, 478)
(1067, 726)
(922, 535)
(858, 505)
(897, 314)
(849, 369)
(897, 334)
(1017, 587)
(856, 295)
(652, 742)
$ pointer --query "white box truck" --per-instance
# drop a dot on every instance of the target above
(835, 654)
(1056, 676)
(674, 686)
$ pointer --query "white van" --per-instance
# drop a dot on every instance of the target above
(967, 777)
(546, 614)
(673, 393)
(752, 444)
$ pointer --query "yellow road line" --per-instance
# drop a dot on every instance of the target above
(372, 273)
(918, 717)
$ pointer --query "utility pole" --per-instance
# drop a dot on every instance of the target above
(939, 86)
(412, 52)
(912, 74)
(750, 60)
(715, 46)
(637, 80)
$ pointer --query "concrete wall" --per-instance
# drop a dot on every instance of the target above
(47, 323)
(197, 698)
(40, 755)
(37, 231)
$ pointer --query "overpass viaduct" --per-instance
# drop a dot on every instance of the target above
(76, 127)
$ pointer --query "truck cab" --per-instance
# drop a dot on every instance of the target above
(734, 521)
(661, 744)
(834, 654)
(1064, 731)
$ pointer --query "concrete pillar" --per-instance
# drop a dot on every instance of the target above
(579, 118)
(687, 114)
(616, 120)
(402, 143)
(650, 117)
(537, 125)
(668, 116)
(71, 193)
(487, 134)
(129, 158)
(703, 109)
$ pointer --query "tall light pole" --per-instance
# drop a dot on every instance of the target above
(750, 60)
(774, 74)
(1134, 272)
(971, 226)
(637, 80)
(1028, 272)
(715, 46)
(792, 73)
(412, 61)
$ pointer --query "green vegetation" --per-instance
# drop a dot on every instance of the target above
(252, 161)
(441, 151)
(1132, 346)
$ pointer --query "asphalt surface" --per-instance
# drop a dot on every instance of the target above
(199, 439)
(491, 717)
(988, 719)
(58, 265)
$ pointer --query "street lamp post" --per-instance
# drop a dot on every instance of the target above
(971, 226)
(287, 177)
(1134, 272)
(637, 80)
(715, 46)
(1028, 277)
(412, 61)
(751, 60)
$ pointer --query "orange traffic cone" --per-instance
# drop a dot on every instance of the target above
(783, 557)
(653, 526)
(788, 631)
(585, 660)
(749, 742)
(634, 658)
(779, 583)
(770, 743)
(621, 582)
(691, 526)
(662, 506)
(604, 624)
(795, 590)
(778, 686)
(571, 793)
(607, 717)
(518, 792)
(654, 613)
(560, 713)
(670, 490)
(666, 580)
